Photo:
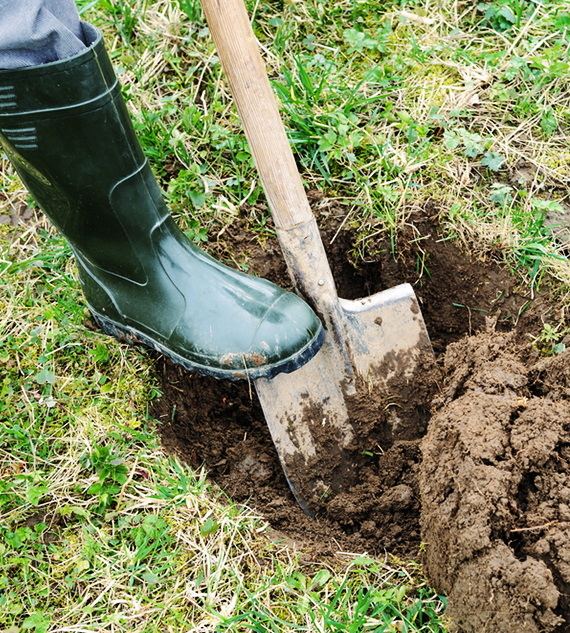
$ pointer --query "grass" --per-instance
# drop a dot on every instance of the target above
(388, 106)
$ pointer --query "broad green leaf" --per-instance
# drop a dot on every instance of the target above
(209, 527)
(198, 198)
(507, 13)
(321, 578)
(150, 578)
(493, 161)
(37, 622)
(548, 122)
(44, 376)
(450, 139)
(34, 494)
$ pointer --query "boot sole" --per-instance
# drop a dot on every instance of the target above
(134, 337)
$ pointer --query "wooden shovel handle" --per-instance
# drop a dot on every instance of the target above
(239, 53)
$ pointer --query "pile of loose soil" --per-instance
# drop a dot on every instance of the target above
(495, 488)
(221, 425)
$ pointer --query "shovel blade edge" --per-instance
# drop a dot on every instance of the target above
(387, 334)
(305, 410)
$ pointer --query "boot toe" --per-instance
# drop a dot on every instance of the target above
(252, 344)
(287, 337)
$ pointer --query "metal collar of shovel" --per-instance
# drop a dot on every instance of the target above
(368, 341)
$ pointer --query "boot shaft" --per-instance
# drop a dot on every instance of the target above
(66, 129)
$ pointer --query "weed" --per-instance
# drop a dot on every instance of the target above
(112, 474)
(471, 143)
(503, 15)
(189, 186)
(357, 41)
(548, 342)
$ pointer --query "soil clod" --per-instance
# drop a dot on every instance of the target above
(495, 490)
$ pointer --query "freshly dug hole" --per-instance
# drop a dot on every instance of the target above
(221, 425)
(495, 488)
(502, 574)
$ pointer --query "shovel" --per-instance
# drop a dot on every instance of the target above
(369, 343)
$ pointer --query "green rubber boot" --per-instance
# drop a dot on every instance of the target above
(67, 131)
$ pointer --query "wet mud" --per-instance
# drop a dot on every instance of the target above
(387, 507)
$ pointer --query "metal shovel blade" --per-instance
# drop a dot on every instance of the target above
(307, 410)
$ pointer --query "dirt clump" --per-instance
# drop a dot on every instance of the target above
(495, 488)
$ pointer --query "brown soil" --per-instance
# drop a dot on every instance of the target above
(495, 488)
(221, 425)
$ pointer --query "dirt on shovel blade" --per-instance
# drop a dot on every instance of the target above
(463, 472)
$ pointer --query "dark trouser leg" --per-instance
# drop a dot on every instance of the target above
(34, 32)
